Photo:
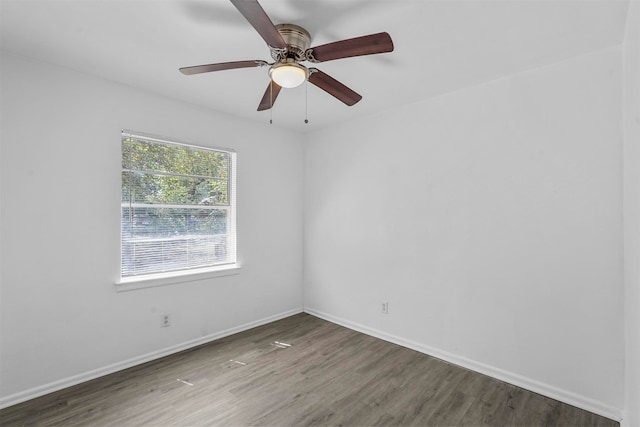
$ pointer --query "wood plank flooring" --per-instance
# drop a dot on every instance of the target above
(295, 372)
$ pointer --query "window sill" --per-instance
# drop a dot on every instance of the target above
(163, 279)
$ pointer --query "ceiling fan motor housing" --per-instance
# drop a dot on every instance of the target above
(297, 39)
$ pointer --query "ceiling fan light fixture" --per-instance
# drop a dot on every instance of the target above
(288, 75)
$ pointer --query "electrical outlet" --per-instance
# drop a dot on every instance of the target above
(165, 320)
(384, 307)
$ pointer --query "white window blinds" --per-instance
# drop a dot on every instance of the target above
(178, 206)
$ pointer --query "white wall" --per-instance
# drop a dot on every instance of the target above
(490, 220)
(61, 316)
(631, 102)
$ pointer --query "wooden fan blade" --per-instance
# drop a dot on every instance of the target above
(358, 46)
(269, 97)
(255, 14)
(197, 69)
(333, 87)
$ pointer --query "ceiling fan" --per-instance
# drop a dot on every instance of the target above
(289, 45)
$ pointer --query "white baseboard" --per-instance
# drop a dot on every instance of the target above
(548, 390)
(100, 372)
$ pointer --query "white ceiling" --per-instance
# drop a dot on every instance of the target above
(440, 46)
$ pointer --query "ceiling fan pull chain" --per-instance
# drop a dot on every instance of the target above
(271, 102)
(306, 101)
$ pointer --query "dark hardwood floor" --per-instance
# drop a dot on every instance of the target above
(297, 371)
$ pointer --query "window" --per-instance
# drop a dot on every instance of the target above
(178, 208)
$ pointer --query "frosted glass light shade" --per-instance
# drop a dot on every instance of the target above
(288, 75)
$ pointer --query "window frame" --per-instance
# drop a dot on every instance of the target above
(147, 280)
